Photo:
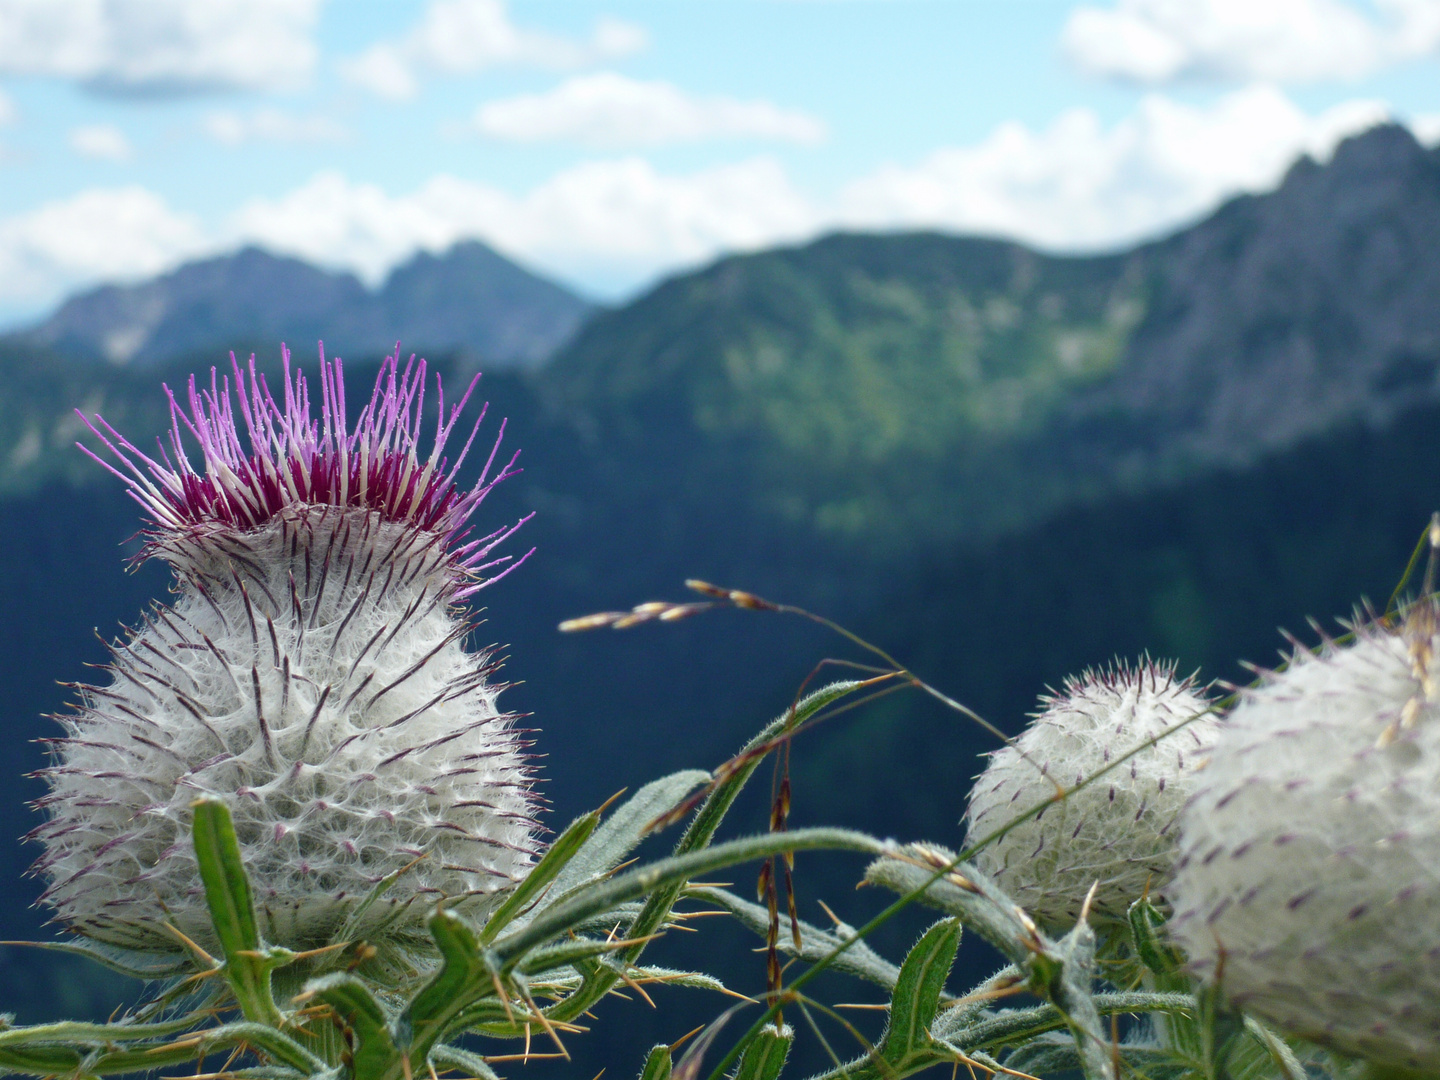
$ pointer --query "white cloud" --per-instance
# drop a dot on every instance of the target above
(460, 37)
(1080, 185)
(271, 125)
(1427, 128)
(160, 46)
(611, 110)
(600, 221)
(103, 141)
(1285, 41)
(101, 234)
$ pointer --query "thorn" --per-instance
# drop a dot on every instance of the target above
(1089, 896)
(683, 1038)
(606, 806)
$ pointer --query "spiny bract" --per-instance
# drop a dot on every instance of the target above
(1309, 878)
(1117, 831)
(310, 673)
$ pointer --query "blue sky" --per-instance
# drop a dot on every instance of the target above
(607, 144)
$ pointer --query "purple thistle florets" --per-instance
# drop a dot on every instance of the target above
(310, 673)
(296, 460)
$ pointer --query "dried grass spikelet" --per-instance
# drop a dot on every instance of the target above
(310, 673)
(1309, 878)
(1116, 831)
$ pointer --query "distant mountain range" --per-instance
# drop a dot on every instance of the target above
(1002, 465)
(915, 389)
(469, 301)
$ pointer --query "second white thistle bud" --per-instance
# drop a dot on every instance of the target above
(1116, 832)
(1309, 880)
(310, 673)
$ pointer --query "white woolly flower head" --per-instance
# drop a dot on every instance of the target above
(1116, 831)
(311, 673)
(1309, 877)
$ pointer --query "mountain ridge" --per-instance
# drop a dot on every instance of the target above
(847, 381)
(468, 300)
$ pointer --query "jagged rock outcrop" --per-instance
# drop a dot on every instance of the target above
(469, 300)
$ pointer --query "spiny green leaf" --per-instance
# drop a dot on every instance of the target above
(661, 897)
(564, 954)
(566, 846)
(227, 889)
(471, 1064)
(1069, 973)
(694, 980)
(1049, 1055)
(815, 944)
(765, 1056)
(917, 992)
(464, 976)
(90, 1057)
(132, 962)
(623, 830)
(1280, 1053)
(81, 1033)
(669, 875)
(232, 912)
(961, 891)
(1147, 923)
(713, 810)
(657, 1064)
(375, 1055)
(1015, 1026)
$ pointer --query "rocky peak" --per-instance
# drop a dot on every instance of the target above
(1285, 313)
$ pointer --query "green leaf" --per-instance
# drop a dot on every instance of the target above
(661, 897)
(937, 879)
(917, 992)
(565, 847)
(815, 944)
(1061, 972)
(1011, 1027)
(766, 1054)
(1147, 924)
(1280, 1053)
(82, 1053)
(227, 889)
(657, 1064)
(1220, 1029)
(1067, 971)
(80, 1033)
(375, 1055)
(565, 954)
(713, 810)
(464, 976)
(623, 830)
(694, 980)
(1049, 1055)
(232, 912)
(135, 963)
(445, 1057)
(668, 875)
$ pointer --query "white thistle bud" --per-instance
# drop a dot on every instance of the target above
(1309, 879)
(1116, 831)
(310, 673)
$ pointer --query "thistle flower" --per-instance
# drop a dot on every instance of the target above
(310, 673)
(1307, 884)
(1116, 831)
